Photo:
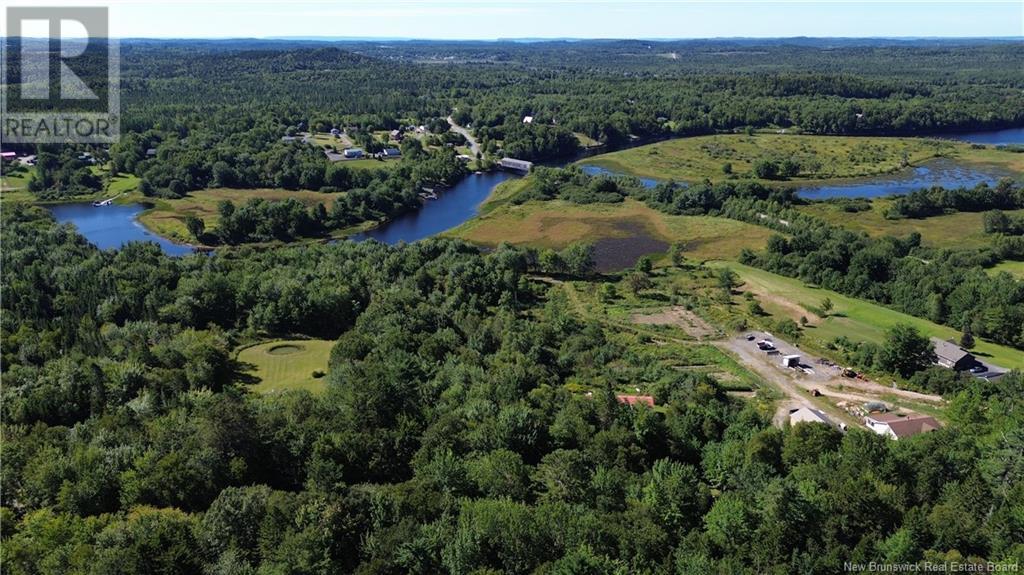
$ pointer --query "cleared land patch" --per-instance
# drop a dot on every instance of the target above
(287, 365)
(856, 319)
(678, 316)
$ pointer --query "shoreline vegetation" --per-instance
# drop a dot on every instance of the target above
(682, 159)
(820, 159)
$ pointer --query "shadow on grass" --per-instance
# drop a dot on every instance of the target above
(240, 373)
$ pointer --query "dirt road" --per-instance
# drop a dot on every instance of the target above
(798, 385)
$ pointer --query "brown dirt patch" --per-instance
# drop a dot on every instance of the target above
(677, 316)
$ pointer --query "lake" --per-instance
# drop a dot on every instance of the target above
(452, 207)
(112, 226)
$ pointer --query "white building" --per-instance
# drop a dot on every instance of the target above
(808, 415)
(896, 426)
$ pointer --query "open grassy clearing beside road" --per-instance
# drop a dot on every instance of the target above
(167, 217)
(287, 365)
(820, 157)
(854, 318)
(958, 230)
(556, 224)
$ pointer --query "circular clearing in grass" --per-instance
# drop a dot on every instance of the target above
(286, 349)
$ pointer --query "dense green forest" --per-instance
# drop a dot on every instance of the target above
(447, 440)
(467, 422)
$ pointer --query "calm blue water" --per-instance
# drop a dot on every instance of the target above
(599, 171)
(112, 226)
(453, 207)
(937, 173)
(998, 137)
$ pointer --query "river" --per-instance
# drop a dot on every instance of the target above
(1009, 136)
(113, 226)
(452, 207)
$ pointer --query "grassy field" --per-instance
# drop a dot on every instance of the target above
(820, 157)
(166, 218)
(556, 224)
(287, 365)
(15, 179)
(1016, 269)
(959, 230)
(853, 318)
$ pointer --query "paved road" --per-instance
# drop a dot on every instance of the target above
(473, 146)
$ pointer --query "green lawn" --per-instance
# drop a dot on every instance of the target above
(287, 364)
(854, 318)
(15, 178)
(820, 157)
(1015, 269)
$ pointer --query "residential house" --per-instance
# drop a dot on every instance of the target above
(951, 355)
(896, 426)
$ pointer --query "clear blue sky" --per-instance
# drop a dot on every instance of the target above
(481, 19)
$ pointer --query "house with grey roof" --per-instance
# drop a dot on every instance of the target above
(951, 355)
